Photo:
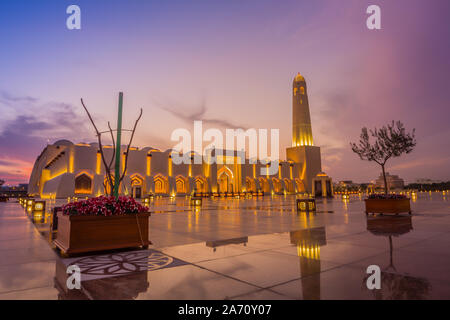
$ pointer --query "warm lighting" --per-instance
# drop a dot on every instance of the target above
(39, 206)
(149, 163)
(196, 201)
(30, 205)
(306, 204)
(71, 160)
(99, 163)
(308, 251)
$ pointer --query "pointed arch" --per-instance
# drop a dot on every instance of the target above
(137, 185)
(201, 185)
(277, 187)
(225, 180)
(181, 185)
(264, 184)
(250, 184)
(299, 186)
(289, 185)
(83, 183)
(161, 184)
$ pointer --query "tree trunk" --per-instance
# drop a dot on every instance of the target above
(385, 181)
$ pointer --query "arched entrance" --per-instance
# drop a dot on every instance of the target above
(225, 180)
(83, 184)
(161, 185)
(201, 185)
(299, 185)
(277, 188)
(264, 184)
(250, 185)
(137, 184)
(181, 185)
(289, 185)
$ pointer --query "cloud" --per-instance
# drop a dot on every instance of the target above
(15, 171)
(422, 162)
(28, 125)
(198, 114)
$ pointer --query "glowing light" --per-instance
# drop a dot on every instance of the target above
(99, 163)
(170, 166)
(149, 164)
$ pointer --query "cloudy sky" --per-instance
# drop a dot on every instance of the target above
(231, 64)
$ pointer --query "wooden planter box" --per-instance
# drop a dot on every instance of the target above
(80, 234)
(387, 206)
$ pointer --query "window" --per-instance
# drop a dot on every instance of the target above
(83, 184)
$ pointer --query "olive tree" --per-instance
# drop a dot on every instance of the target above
(390, 141)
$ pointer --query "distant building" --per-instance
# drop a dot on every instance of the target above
(14, 191)
(393, 181)
(426, 181)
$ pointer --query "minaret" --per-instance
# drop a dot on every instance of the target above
(301, 119)
(303, 150)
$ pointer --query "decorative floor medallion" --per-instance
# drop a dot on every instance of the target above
(122, 263)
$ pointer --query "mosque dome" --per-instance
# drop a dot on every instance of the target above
(299, 78)
(63, 142)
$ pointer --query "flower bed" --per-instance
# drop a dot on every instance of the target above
(104, 206)
(102, 223)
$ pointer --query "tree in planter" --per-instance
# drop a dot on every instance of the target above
(391, 141)
(113, 182)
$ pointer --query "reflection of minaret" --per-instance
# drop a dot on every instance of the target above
(301, 119)
(308, 243)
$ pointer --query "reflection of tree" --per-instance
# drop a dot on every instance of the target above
(394, 285)
(398, 287)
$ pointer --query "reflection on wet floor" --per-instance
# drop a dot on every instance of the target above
(255, 249)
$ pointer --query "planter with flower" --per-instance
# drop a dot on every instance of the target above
(391, 203)
(102, 223)
(106, 222)
(390, 141)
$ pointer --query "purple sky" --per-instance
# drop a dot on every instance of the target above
(231, 64)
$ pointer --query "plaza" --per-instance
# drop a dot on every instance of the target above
(259, 248)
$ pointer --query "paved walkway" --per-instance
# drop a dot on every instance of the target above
(27, 263)
(244, 249)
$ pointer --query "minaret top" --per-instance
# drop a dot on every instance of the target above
(299, 78)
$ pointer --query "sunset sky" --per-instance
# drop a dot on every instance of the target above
(231, 64)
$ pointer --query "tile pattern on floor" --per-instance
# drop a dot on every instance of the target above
(242, 249)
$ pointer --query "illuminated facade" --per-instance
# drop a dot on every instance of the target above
(301, 119)
(65, 169)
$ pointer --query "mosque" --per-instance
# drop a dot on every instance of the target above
(65, 169)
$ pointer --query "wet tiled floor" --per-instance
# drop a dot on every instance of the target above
(243, 249)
